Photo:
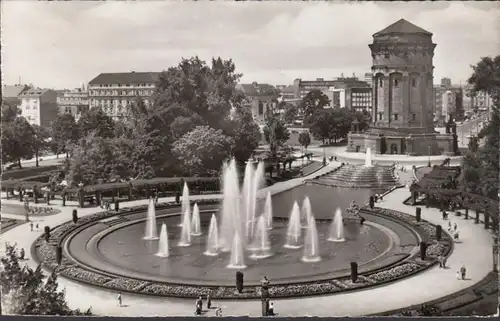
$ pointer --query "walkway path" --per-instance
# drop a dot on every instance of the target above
(474, 252)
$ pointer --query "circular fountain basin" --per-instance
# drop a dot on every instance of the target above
(103, 248)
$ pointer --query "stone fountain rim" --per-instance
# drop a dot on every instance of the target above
(51, 266)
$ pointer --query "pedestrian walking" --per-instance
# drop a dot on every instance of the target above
(449, 226)
(209, 301)
(119, 298)
(458, 275)
(444, 261)
(36, 227)
(455, 236)
(31, 226)
(440, 260)
(455, 227)
(463, 271)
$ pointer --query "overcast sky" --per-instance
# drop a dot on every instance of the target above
(63, 44)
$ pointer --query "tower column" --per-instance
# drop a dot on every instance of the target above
(406, 99)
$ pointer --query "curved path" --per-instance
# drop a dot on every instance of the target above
(474, 251)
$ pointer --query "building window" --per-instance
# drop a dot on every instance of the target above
(413, 116)
(395, 116)
(380, 116)
(396, 83)
(261, 108)
(414, 82)
(381, 82)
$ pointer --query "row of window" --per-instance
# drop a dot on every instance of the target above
(96, 102)
(34, 107)
(125, 85)
(394, 116)
(396, 82)
(121, 92)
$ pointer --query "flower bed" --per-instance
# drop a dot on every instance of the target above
(127, 284)
(436, 250)
(91, 277)
(46, 253)
(395, 272)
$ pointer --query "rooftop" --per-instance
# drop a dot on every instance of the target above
(13, 91)
(124, 78)
(255, 89)
(33, 92)
(402, 26)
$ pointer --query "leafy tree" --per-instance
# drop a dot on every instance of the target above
(9, 111)
(471, 179)
(275, 133)
(304, 139)
(245, 133)
(291, 113)
(65, 133)
(40, 136)
(203, 150)
(194, 89)
(321, 124)
(17, 141)
(24, 291)
(473, 144)
(486, 78)
(181, 125)
(313, 101)
(95, 120)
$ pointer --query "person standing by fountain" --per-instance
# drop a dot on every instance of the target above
(119, 298)
(264, 295)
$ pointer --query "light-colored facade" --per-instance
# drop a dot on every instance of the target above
(114, 93)
(361, 99)
(74, 102)
(337, 97)
(448, 105)
(260, 99)
(403, 96)
(39, 106)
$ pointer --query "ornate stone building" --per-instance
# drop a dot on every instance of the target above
(403, 96)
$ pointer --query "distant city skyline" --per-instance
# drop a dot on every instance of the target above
(64, 44)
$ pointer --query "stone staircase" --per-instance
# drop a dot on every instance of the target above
(359, 176)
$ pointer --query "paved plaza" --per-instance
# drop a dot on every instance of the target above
(426, 286)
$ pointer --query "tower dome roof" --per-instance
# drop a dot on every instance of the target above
(402, 27)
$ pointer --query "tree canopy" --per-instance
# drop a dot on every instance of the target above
(26, 292)
(481, 166)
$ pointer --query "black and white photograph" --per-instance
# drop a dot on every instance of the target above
(250, 158)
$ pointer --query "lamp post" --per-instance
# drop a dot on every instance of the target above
(495, 251)
(429, 162)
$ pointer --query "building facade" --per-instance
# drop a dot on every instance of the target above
(39, 106)
(403, 95)
(114, 93)
(361, 99)
(10, 93)
(260, 99)
(74, 102)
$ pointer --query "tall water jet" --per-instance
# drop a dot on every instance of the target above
(196, 224)
(306, 212)
(294, 231)
(246, 200)
(163, 250)
(368, 157)
(151, 230)
(231, 217)
(186, 230)
(258, 178)
(337, 227)
(184, 202)
(261, 246)
(237, 260)
(311, 244)
(268, 211)
(213, 238)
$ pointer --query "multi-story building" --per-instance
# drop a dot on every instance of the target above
(446, 82)
(260, 98)
(305, 86)
(368, 77)
(437, 112)
(115, 92)
(39, 106)
(448, 106)
(74, 102)
(337, 97)
(360, 99)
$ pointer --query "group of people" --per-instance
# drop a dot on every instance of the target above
(32, 224)
(199, 305)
